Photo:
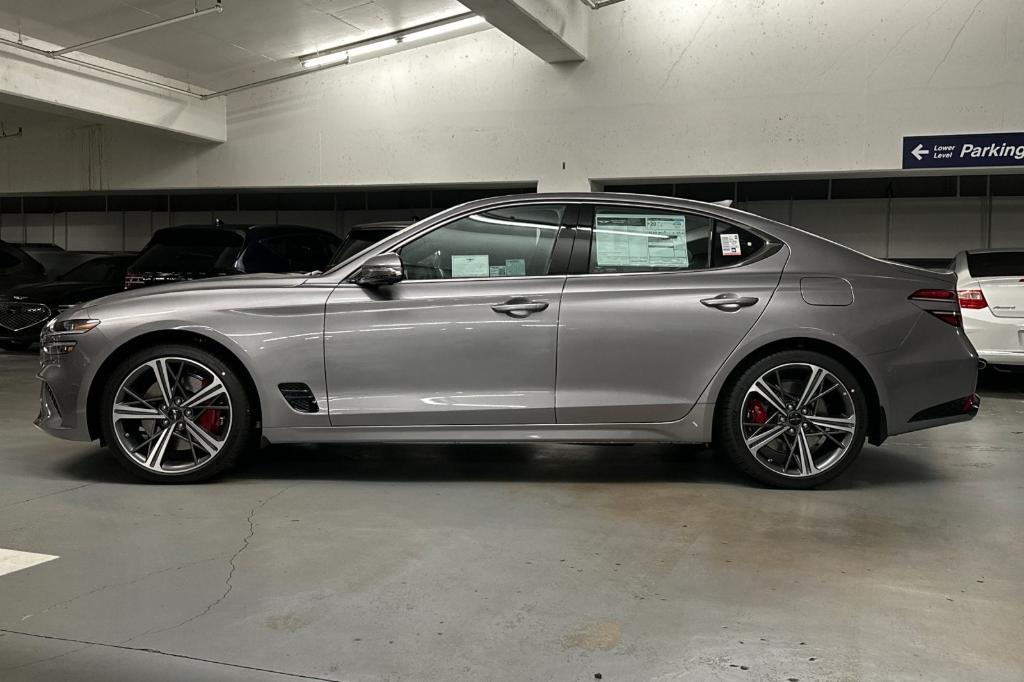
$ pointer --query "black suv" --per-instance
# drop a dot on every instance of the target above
(362, 237)
(190, 252)
(17, 267)
(25, 308)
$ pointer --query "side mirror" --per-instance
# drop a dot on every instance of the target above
(381, 270)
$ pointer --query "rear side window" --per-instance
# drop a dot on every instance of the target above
(289, 253)
(732, 244)
(628, 239)
(999, 264)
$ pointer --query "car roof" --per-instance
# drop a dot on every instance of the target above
(385, 225)
(246, 228)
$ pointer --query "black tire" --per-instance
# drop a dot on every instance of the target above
(728, 436)
(15, 346)
(241, 433)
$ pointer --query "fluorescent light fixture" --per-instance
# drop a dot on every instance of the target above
(343, 54)
(442, 29)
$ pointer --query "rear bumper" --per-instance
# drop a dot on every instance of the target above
(999, 340)
(934, 371)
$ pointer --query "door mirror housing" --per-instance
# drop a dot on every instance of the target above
(381, 270)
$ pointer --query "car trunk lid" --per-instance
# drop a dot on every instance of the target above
(1005, 295)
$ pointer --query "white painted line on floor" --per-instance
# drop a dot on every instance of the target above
(12, 560)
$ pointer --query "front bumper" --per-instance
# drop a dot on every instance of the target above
(63, 393)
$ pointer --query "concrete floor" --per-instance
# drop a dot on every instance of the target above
(515, 563)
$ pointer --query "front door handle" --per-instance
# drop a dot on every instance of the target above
(729, 302)
(520, 307)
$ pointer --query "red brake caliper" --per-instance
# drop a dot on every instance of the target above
(209, 420)
(756, 412)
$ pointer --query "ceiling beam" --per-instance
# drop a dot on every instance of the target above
(554, 30)
(105, 90)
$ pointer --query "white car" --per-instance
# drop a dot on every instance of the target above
(990, 284)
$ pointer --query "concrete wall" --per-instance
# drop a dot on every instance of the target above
(670, 89)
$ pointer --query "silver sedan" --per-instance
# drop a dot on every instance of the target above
(529, 318)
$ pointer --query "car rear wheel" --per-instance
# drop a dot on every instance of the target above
(795, 419)
(176, 414)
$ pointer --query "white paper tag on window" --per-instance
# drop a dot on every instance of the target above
(515, 267)
(471, 266)
(731, 245)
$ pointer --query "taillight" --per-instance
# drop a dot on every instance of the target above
(950, 317)
(972, 299)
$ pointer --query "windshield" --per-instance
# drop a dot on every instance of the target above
(996, 264)
(357, 241)
(190, 250)
(96, 270)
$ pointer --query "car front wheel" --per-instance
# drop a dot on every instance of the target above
(176, 414)
(795, 419)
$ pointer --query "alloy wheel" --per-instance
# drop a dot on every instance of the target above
(172, 415)
(798, 420)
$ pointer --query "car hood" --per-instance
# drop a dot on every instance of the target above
(233, 282)
(61, 292)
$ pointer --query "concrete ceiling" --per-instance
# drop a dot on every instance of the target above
(251, 39)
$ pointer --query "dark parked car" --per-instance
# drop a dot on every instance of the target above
(189, 252)
(17, 267)
(363, 237)
(24, 309)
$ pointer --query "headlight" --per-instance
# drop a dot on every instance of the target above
(71, 326)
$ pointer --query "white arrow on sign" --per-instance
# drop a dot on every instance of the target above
(920, 152)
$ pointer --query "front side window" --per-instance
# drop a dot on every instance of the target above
(507, 242)
(648, 240)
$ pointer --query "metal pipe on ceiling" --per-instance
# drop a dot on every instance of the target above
(218, 7)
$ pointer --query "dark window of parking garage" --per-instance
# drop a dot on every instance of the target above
(929, 186)
(394, 199)
(257, 202)
(706, 191)
(137, 202)
(973, 185)
(305, 201)
(38, 204)
(10, 204)
(657, 190)
(1007, 185)
(860, 188)
(782, 190)
(204, 202)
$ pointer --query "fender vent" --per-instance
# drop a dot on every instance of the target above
(299, 397)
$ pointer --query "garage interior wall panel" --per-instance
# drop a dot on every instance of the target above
(39, 228)
(935, 228)
(325, 220)
(92, 231)
(138, 227)
(12, 228)
(857, 223)
(246, 217)
(191, 218)
(779, 211)
(1007, 222)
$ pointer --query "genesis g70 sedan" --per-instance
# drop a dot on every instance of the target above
(604, 318)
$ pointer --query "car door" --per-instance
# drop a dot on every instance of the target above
(655, 302)
(468, 337)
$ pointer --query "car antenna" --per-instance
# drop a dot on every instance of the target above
(217, 222)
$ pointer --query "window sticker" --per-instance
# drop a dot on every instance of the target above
(497, 271)
(640, 240)
(471, 266)
(515, 267)
(731, 245)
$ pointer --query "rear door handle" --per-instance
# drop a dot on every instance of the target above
(729, 302)
(520, 307)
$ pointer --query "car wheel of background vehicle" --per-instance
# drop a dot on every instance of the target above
(795, 419)
(15, 346)
(176, 414)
